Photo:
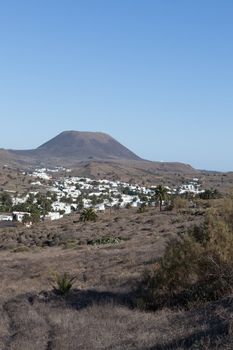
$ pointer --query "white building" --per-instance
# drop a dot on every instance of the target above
(6, 217)
(19, 215)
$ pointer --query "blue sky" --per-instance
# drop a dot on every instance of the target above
(155, 74)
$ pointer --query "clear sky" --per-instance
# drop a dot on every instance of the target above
(155, 74)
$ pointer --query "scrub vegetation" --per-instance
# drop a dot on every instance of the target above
(131, 279)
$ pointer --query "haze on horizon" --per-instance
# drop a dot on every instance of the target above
(155, 75)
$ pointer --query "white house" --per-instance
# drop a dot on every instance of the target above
(100, 207)
(54, 215)
(61, 206)
(6, 217)
(19, 215)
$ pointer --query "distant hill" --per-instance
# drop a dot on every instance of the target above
(92, 153)
(78, 146)
(86, 145)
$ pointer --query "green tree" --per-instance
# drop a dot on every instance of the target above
(44, 204)
(161, 194)
(210, 194)
(30, 199)
(26, 219)
(5, 202)
(54, 197)
(93, 200)
(35, 215)
(79, 201)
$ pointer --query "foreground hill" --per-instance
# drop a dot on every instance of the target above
(98, 313)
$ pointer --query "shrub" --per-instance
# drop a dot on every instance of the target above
(64, 282)
(180, 203)
(142, 208)
(107, 240)
(88, 214)
(196, 268)
(210, 194)
(26, 219)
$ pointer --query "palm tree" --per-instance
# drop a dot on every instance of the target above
(161, 194)
(88, 214)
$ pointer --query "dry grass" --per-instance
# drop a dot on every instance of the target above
(92, 321)
(144, 237)
(98, 312)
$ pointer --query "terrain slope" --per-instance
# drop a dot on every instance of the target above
(98, 313)
(92, 152)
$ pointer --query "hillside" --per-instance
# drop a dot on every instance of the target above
(73, 146)
(135, 171)
(86, 145)
(92, 153)
(33, 317)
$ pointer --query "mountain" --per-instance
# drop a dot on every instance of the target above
(86, 145)
(93, 153)
(70, 147)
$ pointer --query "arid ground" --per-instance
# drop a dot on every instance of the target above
(99, 312)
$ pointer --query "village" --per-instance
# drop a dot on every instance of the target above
(56, 196)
